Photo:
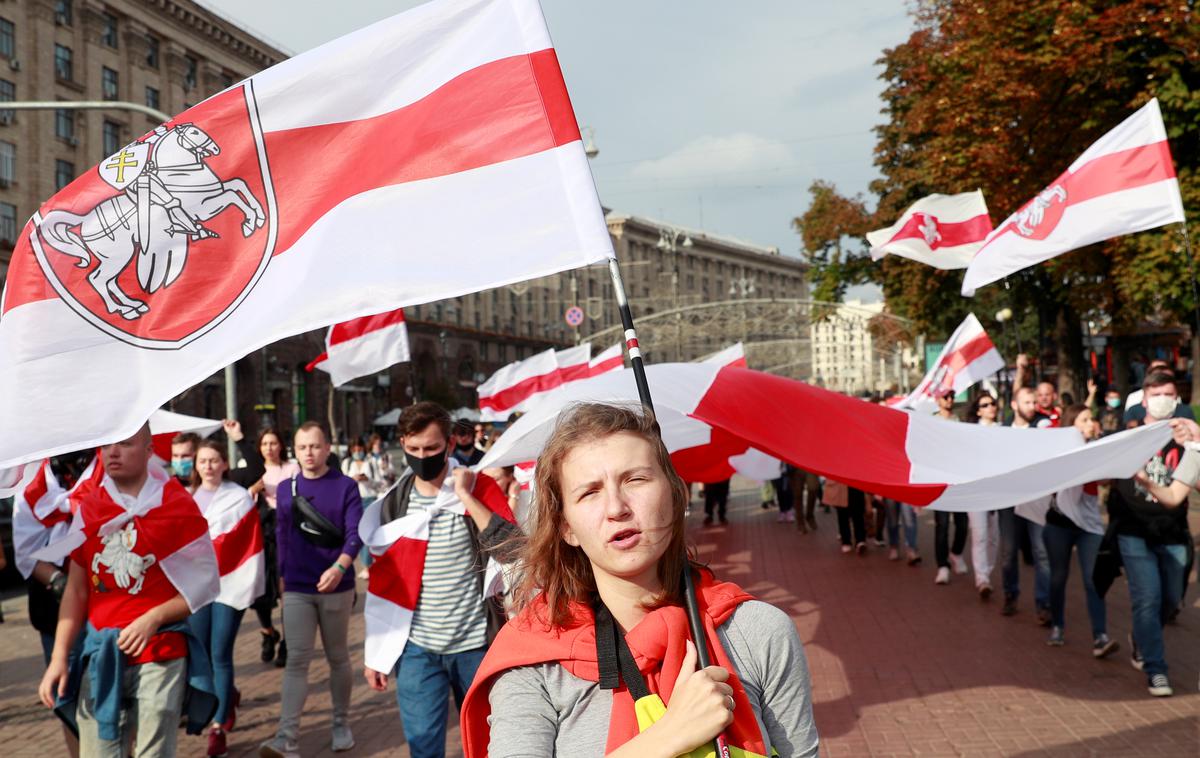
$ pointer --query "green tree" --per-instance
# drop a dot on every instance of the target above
(1002, 95)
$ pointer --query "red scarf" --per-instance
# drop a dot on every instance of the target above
(658, 644)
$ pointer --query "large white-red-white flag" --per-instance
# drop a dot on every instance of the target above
(1123, 183)
(430, 155)
(968, 357)
(942, 231)
(612, 359)
(514, 387)
(362, 346)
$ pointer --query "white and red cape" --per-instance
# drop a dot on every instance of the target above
(237, 538)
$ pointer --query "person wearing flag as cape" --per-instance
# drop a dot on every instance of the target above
(433, 601)
(597, 660)
(142, 562)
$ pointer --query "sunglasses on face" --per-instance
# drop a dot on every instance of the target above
(987, 405)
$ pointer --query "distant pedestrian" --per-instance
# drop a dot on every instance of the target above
(716, 498)
(985, 525)
(276, 468)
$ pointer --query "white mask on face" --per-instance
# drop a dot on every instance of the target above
(1161, 406)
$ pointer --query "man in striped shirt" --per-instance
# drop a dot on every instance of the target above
(464, 516)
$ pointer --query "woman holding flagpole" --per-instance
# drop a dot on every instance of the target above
(236, 533)
(597, 660)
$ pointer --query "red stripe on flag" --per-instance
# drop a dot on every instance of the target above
(510, 396)
(37, 488)
(355, 328)
(970, 351)
(312, 365)
(572, 373)
(239, 544)
(631, 343)
(605, 366)
(505, 109)
(396, 575)
(953, 233)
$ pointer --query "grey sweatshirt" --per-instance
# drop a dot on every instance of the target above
(544, 710)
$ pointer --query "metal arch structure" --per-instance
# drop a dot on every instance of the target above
(774, 331)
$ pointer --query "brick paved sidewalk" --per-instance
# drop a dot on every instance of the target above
(900, 666)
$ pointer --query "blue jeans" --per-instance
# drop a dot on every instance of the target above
(216, 625)
(897, 514)
(1155, 576)
(423, 682)
(1010, 556)
(1059, 541)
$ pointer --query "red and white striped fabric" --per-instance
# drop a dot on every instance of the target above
(968, 357)
(1124, 183)
(574, 363)
(42, 513)
(164, 425)
(504, 391)
(914, 458)
(399, 549)
(612, 359)
(734, 355)
(943, 231)
(237, 538)
(424, 157)
(363, 346)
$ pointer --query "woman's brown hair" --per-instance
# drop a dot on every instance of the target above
(1070, 414)
(194, 479)
(560, 572)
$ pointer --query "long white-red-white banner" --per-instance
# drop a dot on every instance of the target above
(428, 156)
(913, 458)
(516, 386)
(968, 357)
(1123, 183)
(362, 346)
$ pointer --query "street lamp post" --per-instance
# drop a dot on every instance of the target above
(670, 240)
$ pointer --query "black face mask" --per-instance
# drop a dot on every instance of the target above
(466, 447)
(426, 469)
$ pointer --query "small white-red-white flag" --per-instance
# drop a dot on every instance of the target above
(1123, 183)
(612, 359)
(363, 346)
(942, 231)
(968, 357)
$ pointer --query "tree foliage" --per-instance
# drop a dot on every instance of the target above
(1003, 95)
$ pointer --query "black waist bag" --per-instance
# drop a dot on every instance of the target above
(314, 527)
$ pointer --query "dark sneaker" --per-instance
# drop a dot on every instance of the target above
(281, 655)
(1010, 606)
(269, 641)
(343, 739)
(708, 520)
(1056, 637)
(216, 743)
(723, 520)
(985, 592)
(1043, 616)
(1102, 646)
(1159, 686)
(812, 523)
(1135, 655)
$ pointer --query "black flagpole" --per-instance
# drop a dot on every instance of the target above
(703, 659)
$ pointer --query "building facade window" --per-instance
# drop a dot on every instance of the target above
(152, 52)
(8, 223)
(189, 73)
(64, 124)
(8, 39)
(64, 173)
(112, 138)
(64, 12)
(64, 67)
(109, 83)
(8, 163)
(8, 93)
(108, 32)
(152, 98)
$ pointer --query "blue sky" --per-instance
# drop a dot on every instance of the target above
(708, 114)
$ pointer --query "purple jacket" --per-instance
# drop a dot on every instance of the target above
(301, 563)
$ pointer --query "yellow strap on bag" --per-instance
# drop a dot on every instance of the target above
(651, 708)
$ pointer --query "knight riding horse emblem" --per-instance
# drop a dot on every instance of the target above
(128, 569)
(165, 193)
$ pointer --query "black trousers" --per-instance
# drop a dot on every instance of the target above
(716, 494)
(941, 536)
(851, 518)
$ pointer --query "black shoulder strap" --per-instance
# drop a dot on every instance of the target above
(396, 504)
(613, 657)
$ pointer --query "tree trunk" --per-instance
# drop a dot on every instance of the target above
(1068, 341)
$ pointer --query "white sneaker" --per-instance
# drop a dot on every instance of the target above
(278, 747)
(343, 739)
(959, 563)
(943, 576)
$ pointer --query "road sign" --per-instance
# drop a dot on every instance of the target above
(574, 315)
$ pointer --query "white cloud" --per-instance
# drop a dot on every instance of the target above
(719, 156)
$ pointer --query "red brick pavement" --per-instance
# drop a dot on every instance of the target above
(900, 667)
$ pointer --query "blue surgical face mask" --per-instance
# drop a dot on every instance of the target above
(182, 467)
(359, 456)
(1114, 402)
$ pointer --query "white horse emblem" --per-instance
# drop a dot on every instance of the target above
(127, 567)
(1031, 217)
(165, 193)
(928, 228)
